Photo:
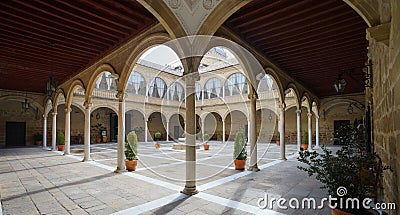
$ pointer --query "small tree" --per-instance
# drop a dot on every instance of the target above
(131, 146)
(157, 135)
(278, 136)
(60, 138)
(240, 152)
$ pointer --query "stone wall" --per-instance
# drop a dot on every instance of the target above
(384, 48)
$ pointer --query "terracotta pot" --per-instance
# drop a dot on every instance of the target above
(240, 164)
(130, 164)
(39, 142)
(157, 145)
(98, 140)
(60, 147)
(206, 147)
(304, 146)
(278, 142)
(104, 139)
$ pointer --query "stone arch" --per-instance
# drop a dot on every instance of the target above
(225, 83)
(296, 93)
(368, 10)
(235, 123)
(48, 107)
(306, 101)
(143, 46)
(22, 98)
(165, 91)
(76, 83)
(216, 131)
(173, 122)
(155, 123)
(95, 75)
(129, 108)
(104, 106)
(273, 74)
(60, 92)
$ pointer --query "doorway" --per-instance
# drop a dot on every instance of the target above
(15, 134)
(113, 127)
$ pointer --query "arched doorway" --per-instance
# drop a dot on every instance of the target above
(104, 125)
(134, 121)
(176, 126)
(235, 121)
(155, 124)
(213, 126)
(266, 120)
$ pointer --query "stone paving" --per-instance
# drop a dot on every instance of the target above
(36, 181)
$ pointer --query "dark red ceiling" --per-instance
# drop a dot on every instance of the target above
(312, 40)
(40, 37)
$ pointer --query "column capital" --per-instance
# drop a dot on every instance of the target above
(309, 114)
(298, 111)
(87, 105)
(252, 96)
(282, 106)
(191, 78)
(54, 113)
(44, 116)
(121, 96)
(68, 109)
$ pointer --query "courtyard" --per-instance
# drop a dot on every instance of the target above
(36, 181)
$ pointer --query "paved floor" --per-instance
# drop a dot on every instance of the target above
(35, 181)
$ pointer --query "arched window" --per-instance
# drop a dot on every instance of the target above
(236, 84)
(136, 84)
(198, 91)
(106, 82)
(157, 88)
(176, 92)
(213, 88)
(266, 84)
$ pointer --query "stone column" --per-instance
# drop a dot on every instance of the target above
(54, 132)
(298, 112)
(67, 148)
(145, 130)
(190, 186)
(202, 129)
(282, 132)
(253, 134)
(223, 131)
(167, 130)
(309, 132)
(248, 131)
(121, 132)
(44, 131)
(87, 131)
(316, 132)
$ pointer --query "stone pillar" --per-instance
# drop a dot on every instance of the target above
(316, 132)
(87, 131)
(54, 132)
(223, 131)
(282, 132)
(146, 130)
(67, 148)
(167, 130)
(121, 132)
(253, 134)
(202, 129)
(248, 131)
(44, 131)
(309, 132)
(190, 186)
(298, 112)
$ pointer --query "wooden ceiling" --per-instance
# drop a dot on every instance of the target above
(312, 40)
(40, 37)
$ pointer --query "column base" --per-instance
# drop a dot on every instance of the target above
(190, 191)
(86, 160)
(67, 153)
(284, 158)
(254, 168)
(120, 170)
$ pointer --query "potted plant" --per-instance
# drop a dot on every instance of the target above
(98, 128)
(38, 138)
(239, 151)
(131, 151)
(278, 138)
(157, 136)
(60, 141)
(206, 145)
(304, 141)
(347, 175)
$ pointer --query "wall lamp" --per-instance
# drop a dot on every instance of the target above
(365, 76)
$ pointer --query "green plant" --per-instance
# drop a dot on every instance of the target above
(206, 136)
(239, 152)
(38, 136)
(278, 136)
(99, 127)
(60, 138)
(157, 135)
(183, 135)
(131, 146)
(304, 138)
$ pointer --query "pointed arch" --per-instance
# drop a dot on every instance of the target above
(75, 84)
(296, 94)
(60, 92)
(95, 75)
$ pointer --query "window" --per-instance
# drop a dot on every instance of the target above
(157, 88)
(266, 84)
(213, 88)
(136, 84)
(176, 92)
(198, 91)
(236, 84)
(106, 82)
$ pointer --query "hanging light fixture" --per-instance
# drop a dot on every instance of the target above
(350, 109)
(51, 84)
(364, 76)
(340, 84)
(25, 104)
